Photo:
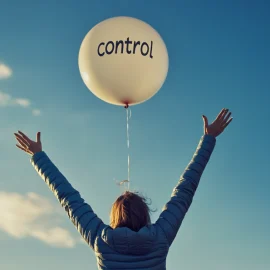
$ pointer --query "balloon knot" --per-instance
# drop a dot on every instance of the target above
(126, 102)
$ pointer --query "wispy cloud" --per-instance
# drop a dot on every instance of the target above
(36, 112)
(32, 215)
(23, 102)
(7, 100)
(5, 71)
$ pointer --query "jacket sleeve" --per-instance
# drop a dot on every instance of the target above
(79, 212)
(174, 211)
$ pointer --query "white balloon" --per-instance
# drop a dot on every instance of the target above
(123, 61)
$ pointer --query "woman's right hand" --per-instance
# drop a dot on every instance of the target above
(220, 123)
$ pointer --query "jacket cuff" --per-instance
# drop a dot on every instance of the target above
(208, 138)
(34, 159)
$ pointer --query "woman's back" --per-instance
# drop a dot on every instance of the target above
(122, 248)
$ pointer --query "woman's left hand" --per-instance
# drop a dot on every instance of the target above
(27, 145)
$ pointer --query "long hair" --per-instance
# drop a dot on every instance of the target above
(130, 210)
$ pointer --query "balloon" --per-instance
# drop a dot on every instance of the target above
(123, 61)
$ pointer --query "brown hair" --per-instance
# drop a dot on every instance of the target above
(130, 210)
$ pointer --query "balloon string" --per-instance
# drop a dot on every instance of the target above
(128, 143)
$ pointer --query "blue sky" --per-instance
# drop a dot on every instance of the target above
(219, 57)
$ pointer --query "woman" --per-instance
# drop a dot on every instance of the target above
(131, 241)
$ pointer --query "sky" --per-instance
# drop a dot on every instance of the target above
(218, 58)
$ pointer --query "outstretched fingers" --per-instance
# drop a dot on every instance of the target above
(24, 149)
(226, 124)
(24, 137)
(220, 115)
(21, 140)
(226, 118)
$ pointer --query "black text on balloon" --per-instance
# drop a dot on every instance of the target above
(127, 46)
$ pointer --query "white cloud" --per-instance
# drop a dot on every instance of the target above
(7, 100)
(57, 237)
(5, 71)
(36, 112)
(31, 215)
(22, 102)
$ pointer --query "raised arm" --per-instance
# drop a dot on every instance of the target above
(79, 212)
(175, 210)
